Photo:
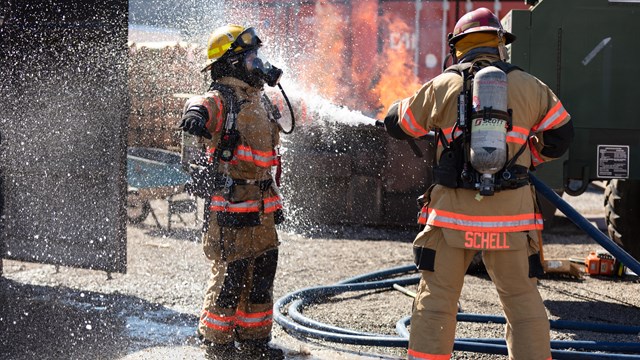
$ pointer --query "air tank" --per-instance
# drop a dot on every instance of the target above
(489, 121)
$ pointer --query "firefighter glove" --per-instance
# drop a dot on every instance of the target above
(194, 124)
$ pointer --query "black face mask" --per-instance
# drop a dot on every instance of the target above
(268, 73)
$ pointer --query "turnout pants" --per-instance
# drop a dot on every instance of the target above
(433, 321)
(238, 304)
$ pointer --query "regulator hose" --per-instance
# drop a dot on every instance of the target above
(293, 117)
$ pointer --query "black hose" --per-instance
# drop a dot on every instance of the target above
(293, 117)
(584, 224)
(297, 323)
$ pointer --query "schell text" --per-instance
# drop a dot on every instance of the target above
(485, 240)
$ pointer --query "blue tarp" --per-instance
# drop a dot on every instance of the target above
(154, 168)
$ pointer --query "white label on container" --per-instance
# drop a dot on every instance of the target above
(613, 161)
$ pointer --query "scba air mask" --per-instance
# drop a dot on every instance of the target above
(262, 70)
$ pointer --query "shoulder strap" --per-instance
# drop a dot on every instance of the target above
(230, 136)
(502, 65)
(505, 66)
(458, 68)
(229, 96)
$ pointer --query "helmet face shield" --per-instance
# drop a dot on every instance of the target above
(249, 56)
(248, 39)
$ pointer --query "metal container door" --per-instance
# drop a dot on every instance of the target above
(63, 127)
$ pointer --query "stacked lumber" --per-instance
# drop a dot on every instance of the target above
(157, 72)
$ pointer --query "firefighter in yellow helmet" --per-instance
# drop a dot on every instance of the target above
(506, 115)
(237, 123)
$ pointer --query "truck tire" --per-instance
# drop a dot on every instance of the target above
(622, 211)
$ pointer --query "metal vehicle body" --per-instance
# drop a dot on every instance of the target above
(67, 118)
(63, 125)
(583, 50)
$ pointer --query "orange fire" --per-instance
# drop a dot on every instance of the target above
(355, 54)
(324, 66)
(344, 65)
(397, 79)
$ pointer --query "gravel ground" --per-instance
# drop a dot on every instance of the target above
(151, 312)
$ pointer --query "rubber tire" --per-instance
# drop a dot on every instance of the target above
(137, 208)
(622, 212)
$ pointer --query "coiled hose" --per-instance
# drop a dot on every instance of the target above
(297, 323)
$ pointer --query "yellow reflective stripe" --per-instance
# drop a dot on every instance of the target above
(259, 158)
(518, 135)
(422, 216)
(272, 204)
(219, 203)
(554, 117)
(252, 320)
(416, 355)
(494, 223)
(536, 158)
(221, 323)
(409, 123)
(447, 133)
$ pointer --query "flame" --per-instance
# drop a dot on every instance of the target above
(323, 68)
(397, 79)
(355, 54)
(344, 65)
(365, 60)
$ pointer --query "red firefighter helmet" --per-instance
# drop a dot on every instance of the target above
(479, 20)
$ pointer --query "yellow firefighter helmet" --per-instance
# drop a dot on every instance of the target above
(230, 40)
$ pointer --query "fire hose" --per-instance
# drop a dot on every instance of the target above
(584, 224)
(295, 322)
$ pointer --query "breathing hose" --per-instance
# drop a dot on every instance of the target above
(293, 117)
(296, 322)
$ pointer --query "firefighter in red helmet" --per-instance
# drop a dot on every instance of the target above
(237, 123)
(492, 122)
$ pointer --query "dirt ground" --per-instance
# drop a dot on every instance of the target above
(151, 312)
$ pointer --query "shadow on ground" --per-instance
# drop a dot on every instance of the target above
(41, 322)
(588, 310)
(354, 232)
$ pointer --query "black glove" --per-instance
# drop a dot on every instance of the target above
(194, 124)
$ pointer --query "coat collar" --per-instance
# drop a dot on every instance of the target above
(240, 86)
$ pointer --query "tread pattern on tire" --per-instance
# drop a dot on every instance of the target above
(622, 214)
